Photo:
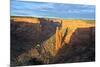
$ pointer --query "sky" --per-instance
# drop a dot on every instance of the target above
(52, 10)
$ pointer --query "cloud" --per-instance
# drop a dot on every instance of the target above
(89, 2)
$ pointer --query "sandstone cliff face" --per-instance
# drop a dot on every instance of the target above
(45, 41)
(28, 38)
(81, 47)
(24, 36)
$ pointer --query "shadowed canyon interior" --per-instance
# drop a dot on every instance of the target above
(48, 41)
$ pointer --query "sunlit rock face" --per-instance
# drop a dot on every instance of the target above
(81, 47)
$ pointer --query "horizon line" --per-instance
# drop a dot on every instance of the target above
(54, 17)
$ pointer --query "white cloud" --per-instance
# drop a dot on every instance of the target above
(88, 2)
